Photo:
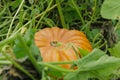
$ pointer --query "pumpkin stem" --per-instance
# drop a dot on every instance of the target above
(55, 43)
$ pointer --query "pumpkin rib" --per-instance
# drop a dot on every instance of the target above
(50, 58)
(41, 43)
(84, 47)
(71, 33)
(44, 33)
(44, 50)
(55, 32)
(83, 43)
(47, 56)
(63, 57)
(55, 55)
(59, 33)
(77, 39)
(70, 59)
(72, 56)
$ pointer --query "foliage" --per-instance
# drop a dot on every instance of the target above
(111, 9)
(95, 65)
(115, 51)
(88, 16)
(20, 51)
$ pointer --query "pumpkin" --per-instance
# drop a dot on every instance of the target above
(55, 44)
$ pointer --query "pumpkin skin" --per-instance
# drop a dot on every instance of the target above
(54, 44)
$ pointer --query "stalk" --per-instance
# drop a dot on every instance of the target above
(61, 14)
(56, 67)
(16, 64)
(10, 28)
(30, 55)
(44, 13)
(78, 11)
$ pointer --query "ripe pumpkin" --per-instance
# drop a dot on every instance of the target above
(54, 44)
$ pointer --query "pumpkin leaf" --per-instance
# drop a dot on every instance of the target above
(95, 65)
(93, 33)
(55, 73)
(115, 51)
(118, 33)
(83, 52)
(19, 49)
(111, 9)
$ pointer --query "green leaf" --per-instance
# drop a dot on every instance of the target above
(95, 65)
(93, 33)
(111, 9)
(118, 33)
(115, 51)
(20, 51)
(55, 73)
(79, 75)
(83, 52)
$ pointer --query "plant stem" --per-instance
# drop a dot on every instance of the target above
(17, 65)
(56, 67)
(6, 22)
(30, 55)
(2, 57)
(117, 25)
(38, 16)
(95, 38)
(1, 13)
(44, 13)
(5, 62)
(11, 38)
(105, 43)
(56, 63)
(61, 14)
(78, 11)
(10, 28)
(94, 11)
(6, 41)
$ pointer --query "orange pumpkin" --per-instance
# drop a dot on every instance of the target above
(55, 44)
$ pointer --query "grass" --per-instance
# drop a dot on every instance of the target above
(28, 17)
(83, 15)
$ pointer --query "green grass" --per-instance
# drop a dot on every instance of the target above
(19, 16)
